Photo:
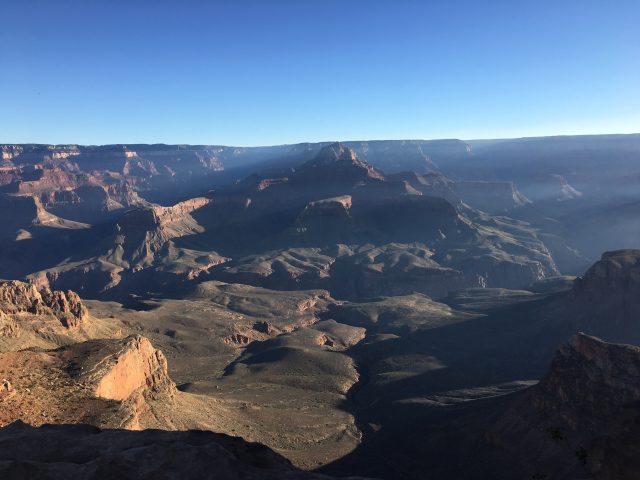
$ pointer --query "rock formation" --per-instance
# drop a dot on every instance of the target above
(119, 369)
(605, 301)
(22, 215)
(590, 381)
(141, 233)
(581, 419)
(21, 302)
(111, 383)
(138, 255)
(130, 371)
(345, 166)
(326, 202)
(617, 273)
(338, 205)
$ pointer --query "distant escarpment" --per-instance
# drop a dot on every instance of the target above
(331, 221)
(492, 197)
(23, 215)
(336, 222)
(67, 192)
(140, 254)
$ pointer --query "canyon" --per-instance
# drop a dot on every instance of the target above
(384, 309)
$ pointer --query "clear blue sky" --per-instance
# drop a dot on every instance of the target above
(265, 72)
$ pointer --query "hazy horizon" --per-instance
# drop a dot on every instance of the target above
(344, 140)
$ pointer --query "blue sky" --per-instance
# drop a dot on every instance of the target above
(268, 72)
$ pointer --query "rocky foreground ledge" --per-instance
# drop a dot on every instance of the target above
(86, 452)
(582, 420)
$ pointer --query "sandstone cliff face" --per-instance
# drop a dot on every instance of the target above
(130, 371)
(121, 368)
(108, 382)
(141, 160)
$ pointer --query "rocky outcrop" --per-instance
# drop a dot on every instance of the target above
(129, 371)
(6, 389)
(325, 222)
(139, 255)
(617, 272)
(107, 382)
(120, 369)
(581, 420)
(160, 217)
(589, 381)
(86, 452)
(18, 298)
(42, 319)
(606, 301)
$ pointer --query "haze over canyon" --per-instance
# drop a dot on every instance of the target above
(398, 309)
